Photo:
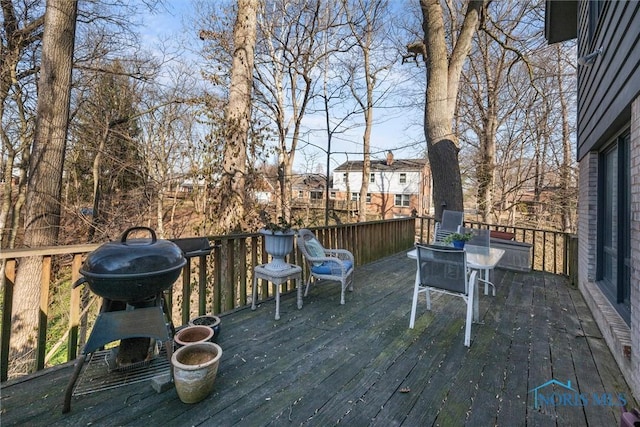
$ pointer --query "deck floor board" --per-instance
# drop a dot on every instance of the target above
(359, 364)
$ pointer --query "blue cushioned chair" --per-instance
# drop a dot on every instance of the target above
(328, 264)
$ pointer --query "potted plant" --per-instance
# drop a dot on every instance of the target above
(278, 239)
(457, 239)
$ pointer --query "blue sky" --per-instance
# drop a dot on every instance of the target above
(399, 131)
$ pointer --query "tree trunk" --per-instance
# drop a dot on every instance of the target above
(366, 171)
(565, 171)
(487, 153)
(96, 214)
(443, 78)
(18, 37)
(237, 118)
(366, 138)
(160, 231)
(42, 218)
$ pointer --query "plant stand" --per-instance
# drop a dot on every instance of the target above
(277, 278)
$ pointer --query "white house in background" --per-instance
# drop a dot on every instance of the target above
(397, 187)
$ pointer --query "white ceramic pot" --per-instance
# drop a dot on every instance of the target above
(195, 367)
(278, 245)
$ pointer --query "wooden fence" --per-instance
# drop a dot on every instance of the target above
(551, 251)
(212, 284)
(221, 281)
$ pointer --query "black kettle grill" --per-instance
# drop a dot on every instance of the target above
(130, 275)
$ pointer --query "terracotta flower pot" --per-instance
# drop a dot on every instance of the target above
(193, 335)
(209, 320)
(195, 367)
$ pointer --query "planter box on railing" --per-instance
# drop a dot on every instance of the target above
(517, 255)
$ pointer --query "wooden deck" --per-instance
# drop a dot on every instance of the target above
(359, 364)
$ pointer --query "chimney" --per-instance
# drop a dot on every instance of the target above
(389, 158)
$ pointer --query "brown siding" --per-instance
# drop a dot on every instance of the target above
(607, 88)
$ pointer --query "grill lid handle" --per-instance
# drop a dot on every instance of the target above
(123, 239)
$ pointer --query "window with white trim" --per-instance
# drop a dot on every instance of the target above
(403, 200)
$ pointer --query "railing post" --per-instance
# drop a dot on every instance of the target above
(44, 312)
(202, 285)
(572, 259)
(217, 279)
(186, 292)
(5, 337)
(74, 309)
(242, 273)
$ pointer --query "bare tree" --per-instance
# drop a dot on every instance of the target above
(45, 175)
(289, 53)
(21, 37)
(568, 183)
(485, 100)
(334, 87)
(367, 24)
(166, 125)
(238, 118)
(443, 77)
(106, 166)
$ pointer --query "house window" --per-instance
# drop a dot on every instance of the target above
(614, 254)
(403, 178)
(300, 194)
(332, 195)
(316, 195)
(355, 197)
(344, 177)
(403, 200)
(368, 197)
(372, 178)
(595, 12)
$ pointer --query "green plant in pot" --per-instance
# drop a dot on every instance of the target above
(457, 239)
(282, 226)
(278, 239)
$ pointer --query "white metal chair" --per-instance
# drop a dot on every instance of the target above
(451, 223)
(443, 269)
(481, 239)
(328, 264)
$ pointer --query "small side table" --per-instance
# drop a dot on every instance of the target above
(277, 277)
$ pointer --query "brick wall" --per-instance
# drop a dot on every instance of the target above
(635, 243)
(623, 341)
(587, 216)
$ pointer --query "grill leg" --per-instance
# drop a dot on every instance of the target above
(69, 390)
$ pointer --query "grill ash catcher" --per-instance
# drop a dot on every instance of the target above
(131, 276)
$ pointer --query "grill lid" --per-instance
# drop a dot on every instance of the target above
(133, 257)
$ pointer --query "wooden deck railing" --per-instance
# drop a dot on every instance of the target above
(221, 281)
(212, 284)
(551, 251)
